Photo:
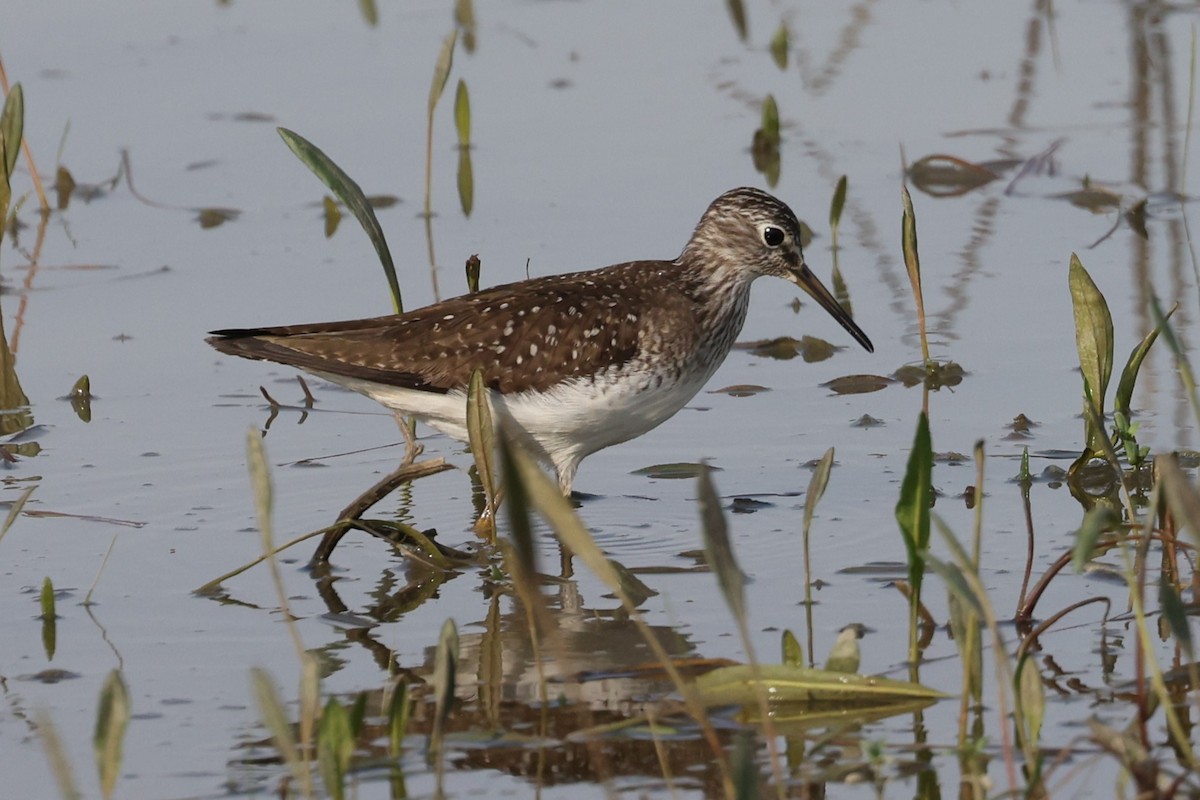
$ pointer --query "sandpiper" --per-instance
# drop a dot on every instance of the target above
(580, 361)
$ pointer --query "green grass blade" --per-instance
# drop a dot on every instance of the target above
(1124, 397)
(56, 754)
(445, 672)
(276, 720)
(397, 709)
(112, 718)
(335, 746)
(482, 439)
(770, 118)
(1094, 340)
(12, 124)
(744, 766)
(15, 511)
(352, 196)
(717, 548)
(1175, 613)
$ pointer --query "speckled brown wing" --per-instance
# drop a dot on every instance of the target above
(524, 336)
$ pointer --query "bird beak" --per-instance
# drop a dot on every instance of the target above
(802, 276)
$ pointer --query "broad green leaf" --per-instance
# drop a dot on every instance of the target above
(1129, 374)
(779, 46)
(957, 584)
(816, 486)
(770, 118)
(352, 197)
(1098, 519)
(793, 656)
(838, 204)
(1094, 340)
(49, 619)
(744, 766)
(737, 13)
(335, 746)
(1031, 699)
(1175, 613)
(718, 550)
(742, 684)
(912, 510)
(520, 530)
(396, 715)
(1183, 500)
(112, 718)
(462, 114)
(466, 182)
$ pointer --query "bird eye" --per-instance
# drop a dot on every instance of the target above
(772, 236)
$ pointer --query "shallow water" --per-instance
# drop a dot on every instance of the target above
(600, 133)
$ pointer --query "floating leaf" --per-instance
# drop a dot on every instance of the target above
(743, 684)
(351, 195)
(215, 217)
(857, 384)
(741, 390)
(784, 348)
(949, 176)
(673, 471)
(112, 718)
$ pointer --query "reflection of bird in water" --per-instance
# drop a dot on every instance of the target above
(580, 361)
(844, 655)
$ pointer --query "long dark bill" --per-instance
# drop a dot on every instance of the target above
(803, 277)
